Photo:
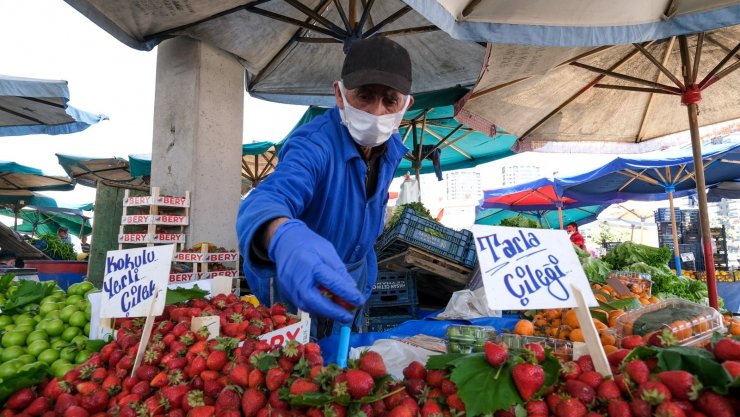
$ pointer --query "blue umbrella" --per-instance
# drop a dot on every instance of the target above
(728, 189)
(545, 218)
(654, 176)
(30, 106)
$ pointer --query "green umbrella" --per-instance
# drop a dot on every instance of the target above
(41, 220)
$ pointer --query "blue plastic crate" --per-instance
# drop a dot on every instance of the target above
(664, 215)
(385, 323)
(427, 235)
(394, 289)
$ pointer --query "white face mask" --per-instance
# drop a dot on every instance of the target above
(367, 129)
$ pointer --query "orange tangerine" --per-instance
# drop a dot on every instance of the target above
(608, 339)
(576, 336)
(570, 319)
(554, 313)
(600, 325)
(524, 328)
(613, 315)
(610, 349)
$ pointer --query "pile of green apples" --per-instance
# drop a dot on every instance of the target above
(52, 331)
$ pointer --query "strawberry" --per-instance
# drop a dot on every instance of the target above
(435, 377)
(159, 380)
(528, 379)
(54, 388)
(63, 402)
(536, 350)
(401, 411)
(372, 363)
(638, 371)
(683, 385)
(359, 383)
(75, 411)
(174, 394)
(715, 405)
(96, 401)
(415, 370)
(252, 401)
(448, 387)
(304, 386)
(256, 378)
(212, 387)
(38, 406)
(685, 405)
(495, 354)
(591, 378)
(733, 368)
(641, 408)
(570, 407)
(194, 398)
(146, 372)
(537, 408)
(552, 400)
(654, 392)
(616, 358)
(570, 370)
(239, 375)
(141, 388)
(455, 402)
(586, 363)
(619, 408)
(580, 390)
(669, 409)
(623, 383)
(275, 401)
(217, 360)
(21, 399)
(228, 399)
(430, 409)
(203, 411)
(275, 378)
(631, 342)
(197, 366)
(608, 390)
(727, 349)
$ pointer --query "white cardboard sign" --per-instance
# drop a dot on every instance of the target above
(131, 277)
(527, 269)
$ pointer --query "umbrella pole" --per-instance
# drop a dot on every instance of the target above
(560, 217)
(674, 229)
(692, 106)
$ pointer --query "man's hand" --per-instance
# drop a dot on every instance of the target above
(306, 261)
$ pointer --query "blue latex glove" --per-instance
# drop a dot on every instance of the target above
(305, 261)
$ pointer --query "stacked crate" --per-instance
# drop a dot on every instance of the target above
(393, 301)
(689, 238)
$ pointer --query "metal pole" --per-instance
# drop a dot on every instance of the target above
(676, 251)
(560, 217)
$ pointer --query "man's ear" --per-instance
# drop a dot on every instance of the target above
(411, 102)
(338, 95)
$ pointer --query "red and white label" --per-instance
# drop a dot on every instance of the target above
(229, 273)
(171, 219)
(190, 257)
(299, 332)
(168, 238)
(165, 201)
(184, 277)
(134, 238)
(143, 200)
(207, 257)
(172, 201)
(137, 219)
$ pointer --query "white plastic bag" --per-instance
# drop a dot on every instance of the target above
(467, 304)
(396, 355)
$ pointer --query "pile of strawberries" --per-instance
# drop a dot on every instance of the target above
(638, 389)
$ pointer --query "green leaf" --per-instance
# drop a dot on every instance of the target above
(551, 366)
(600, 316)
(95, 345)
(28, 376)
(313, 399)
(264, 361)
(483, 388)
(520, 411)
(443, 361)
(641, 352)
(5, 281)
(697, 361)
(179, 295)
(626, 304)
(28, 292)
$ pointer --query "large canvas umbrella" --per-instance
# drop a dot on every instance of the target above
(573, 22)
(293, 49)
(30, 106)
(19, 177)
(654, 176)
(545, 218)
(89, 171)
(628, 94)
(728, 189)
(40, 220)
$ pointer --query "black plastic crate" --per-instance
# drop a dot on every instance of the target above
(394, 289)
(666, 229)
(385, 323)
(664, 215)
(427, 235)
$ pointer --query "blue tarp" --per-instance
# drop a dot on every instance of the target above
(730, 292)
(577, 33)
(651, 176)
(31, 106)
(429, 327)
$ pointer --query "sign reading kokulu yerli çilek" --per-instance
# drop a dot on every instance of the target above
(132, 276)
(526, 269)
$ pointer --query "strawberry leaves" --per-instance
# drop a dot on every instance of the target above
(481, 387)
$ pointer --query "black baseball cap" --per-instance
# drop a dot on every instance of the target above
(377, 60)
(63, 229)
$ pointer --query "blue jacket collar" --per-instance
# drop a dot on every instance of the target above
(396, 149)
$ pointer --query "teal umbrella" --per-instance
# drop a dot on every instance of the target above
(41, 220)
(19, 177)
(545, 218)
(89, 171)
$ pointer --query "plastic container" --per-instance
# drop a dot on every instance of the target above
(427, 235)
(664, 215)
(689, 323)
(468, 339)
(638, 283)
(563, 349)
(394, 289)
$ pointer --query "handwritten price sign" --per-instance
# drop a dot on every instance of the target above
(527, 269)
(131, 277)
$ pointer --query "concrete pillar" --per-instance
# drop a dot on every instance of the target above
(198, 124)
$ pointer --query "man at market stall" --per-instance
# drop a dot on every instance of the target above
(63, 234)
(7, 259)
(575, 236)
(307, 232)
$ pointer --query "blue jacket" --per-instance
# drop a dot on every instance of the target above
(320, 179)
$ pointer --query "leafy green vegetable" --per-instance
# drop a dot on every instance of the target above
(28, 292)
(666, 284)
(28, 376)
(417, 207)
(5, 281)
(596, 270)
(482, 387)
(54, 247)
(443, 361)
(699, 362)
(519, 221)
(179, 295)
(628, 253)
